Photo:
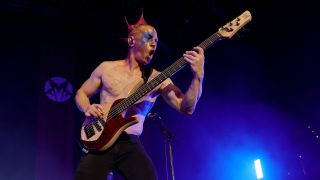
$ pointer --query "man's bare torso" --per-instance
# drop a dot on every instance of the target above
(118, 82)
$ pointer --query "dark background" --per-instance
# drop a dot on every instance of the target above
(260, 93)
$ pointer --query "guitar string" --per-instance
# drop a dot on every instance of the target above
(204, 45)
(143, 90)
(173, 68)
(118, 109)
(121, 106)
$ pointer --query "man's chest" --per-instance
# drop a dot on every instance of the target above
(120, 83)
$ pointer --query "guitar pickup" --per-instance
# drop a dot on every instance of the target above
(88, 129)
(97, 125)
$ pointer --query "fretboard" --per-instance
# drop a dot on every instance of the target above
(149, 86)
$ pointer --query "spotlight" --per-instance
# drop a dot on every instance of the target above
(257, 165)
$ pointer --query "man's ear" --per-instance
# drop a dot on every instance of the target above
(131, 41)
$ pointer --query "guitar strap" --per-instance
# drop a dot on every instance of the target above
(146, 72)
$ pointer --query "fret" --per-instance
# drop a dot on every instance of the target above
(149, 86)
(165, 74)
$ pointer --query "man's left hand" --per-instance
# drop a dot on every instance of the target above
(196, 59)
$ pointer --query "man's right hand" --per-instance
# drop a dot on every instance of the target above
(95, 110)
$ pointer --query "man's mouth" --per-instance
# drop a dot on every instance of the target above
(151, 52)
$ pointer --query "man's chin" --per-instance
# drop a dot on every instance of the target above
(145, 61)
(148, 60)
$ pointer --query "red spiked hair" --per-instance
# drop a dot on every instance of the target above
(141, 21)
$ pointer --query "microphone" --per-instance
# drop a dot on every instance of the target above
(156, 117)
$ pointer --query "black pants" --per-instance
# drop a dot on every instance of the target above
(126, 156)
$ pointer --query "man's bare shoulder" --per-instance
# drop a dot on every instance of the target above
(108, 64)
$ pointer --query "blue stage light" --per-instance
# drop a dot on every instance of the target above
(257, 165)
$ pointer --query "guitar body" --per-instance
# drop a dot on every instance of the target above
(98, 134)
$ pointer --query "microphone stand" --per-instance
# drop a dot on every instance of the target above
(168, 137)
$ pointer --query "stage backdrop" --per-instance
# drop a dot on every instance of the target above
(37, 89)
(55, 117)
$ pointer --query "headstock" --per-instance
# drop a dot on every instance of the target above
(228, 30)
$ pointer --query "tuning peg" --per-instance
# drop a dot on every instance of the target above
(229, 29)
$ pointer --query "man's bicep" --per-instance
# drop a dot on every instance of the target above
(91, 85)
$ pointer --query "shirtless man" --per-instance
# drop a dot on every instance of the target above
(115, 80)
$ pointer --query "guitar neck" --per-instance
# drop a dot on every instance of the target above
(149, 86)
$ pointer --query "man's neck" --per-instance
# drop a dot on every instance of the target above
(132, 63)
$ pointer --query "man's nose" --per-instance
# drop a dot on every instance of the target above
(153, 43)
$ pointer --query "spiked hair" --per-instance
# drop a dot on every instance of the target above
(141, 21)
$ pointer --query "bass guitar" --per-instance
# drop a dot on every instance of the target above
(98, 134)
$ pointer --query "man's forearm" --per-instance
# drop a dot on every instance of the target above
(82, 101)
(192, 95)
